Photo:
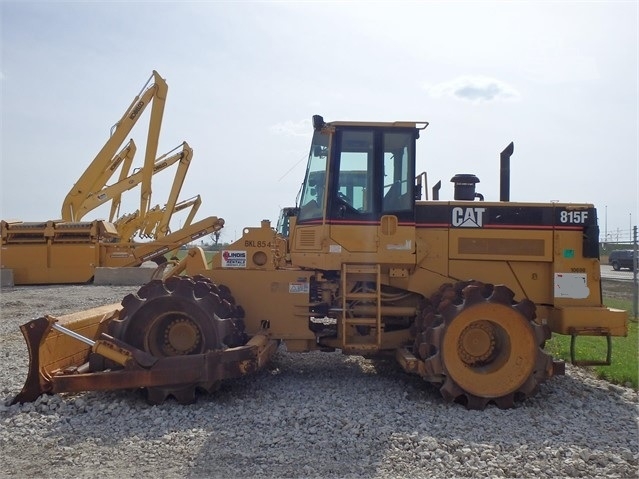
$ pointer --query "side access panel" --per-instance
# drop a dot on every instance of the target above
(276, 300)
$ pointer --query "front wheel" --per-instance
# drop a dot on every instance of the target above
(485, 349)
(181, 316)
(616, 266)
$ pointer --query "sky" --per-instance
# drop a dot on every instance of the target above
(559, 79)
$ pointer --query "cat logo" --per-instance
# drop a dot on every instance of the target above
(468, 217)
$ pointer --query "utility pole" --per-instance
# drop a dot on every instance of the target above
(635, 291)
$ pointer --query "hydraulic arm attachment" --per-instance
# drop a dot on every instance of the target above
(114, 191)
(95, 177)
(123, 158)
(136, 224)
(157, 221)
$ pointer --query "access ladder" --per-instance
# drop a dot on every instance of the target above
(361, 325)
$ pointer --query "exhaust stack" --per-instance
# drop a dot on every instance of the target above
(436, 189)
(504, 172)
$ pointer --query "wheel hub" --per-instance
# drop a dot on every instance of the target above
(181, 337)
(476, 343)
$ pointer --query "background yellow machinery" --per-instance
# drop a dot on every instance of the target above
(67, 250)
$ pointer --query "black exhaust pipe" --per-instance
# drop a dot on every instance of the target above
(504, 172)
(436, 189)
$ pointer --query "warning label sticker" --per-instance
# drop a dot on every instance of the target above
(297, 288)
(233, 259)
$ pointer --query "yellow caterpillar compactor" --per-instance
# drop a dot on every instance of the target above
(463, 293)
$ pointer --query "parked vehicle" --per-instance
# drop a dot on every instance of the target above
(622, 258)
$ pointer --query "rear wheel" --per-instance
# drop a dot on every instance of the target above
(482, 347)
(181, 316)
(615, 266)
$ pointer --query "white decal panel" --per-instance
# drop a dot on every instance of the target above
(233, 259)
(400, 247)
(298, 288)
(571, 285)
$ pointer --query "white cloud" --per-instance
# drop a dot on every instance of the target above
(474, 88)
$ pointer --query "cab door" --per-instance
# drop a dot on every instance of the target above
(353, 210)
(397, 217)
(371, 202)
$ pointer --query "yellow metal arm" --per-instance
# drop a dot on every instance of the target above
(126, 167)
(124, 158)
(155, 90)
(178, 181)
(172, 241)
(114, 192)
(155, 123)
(152, 225)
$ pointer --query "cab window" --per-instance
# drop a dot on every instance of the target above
(355, 189)
(312, 198)
(398, 172)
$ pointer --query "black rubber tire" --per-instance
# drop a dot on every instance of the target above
(456, 319)
(181, 316)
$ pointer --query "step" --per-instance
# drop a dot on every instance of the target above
(359, 348)
(360, 269)
(361, 295)
(361, 321)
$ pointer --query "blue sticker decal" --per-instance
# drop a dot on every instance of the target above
(569, 253)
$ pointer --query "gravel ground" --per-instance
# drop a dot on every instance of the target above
(306, 415)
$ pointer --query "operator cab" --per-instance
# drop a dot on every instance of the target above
(284, 220)
(359, 172)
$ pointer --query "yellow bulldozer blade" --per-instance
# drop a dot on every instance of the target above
(51, 351)
(73, 353)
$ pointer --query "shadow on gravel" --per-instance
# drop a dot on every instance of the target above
(319, 415)
(351, 417)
